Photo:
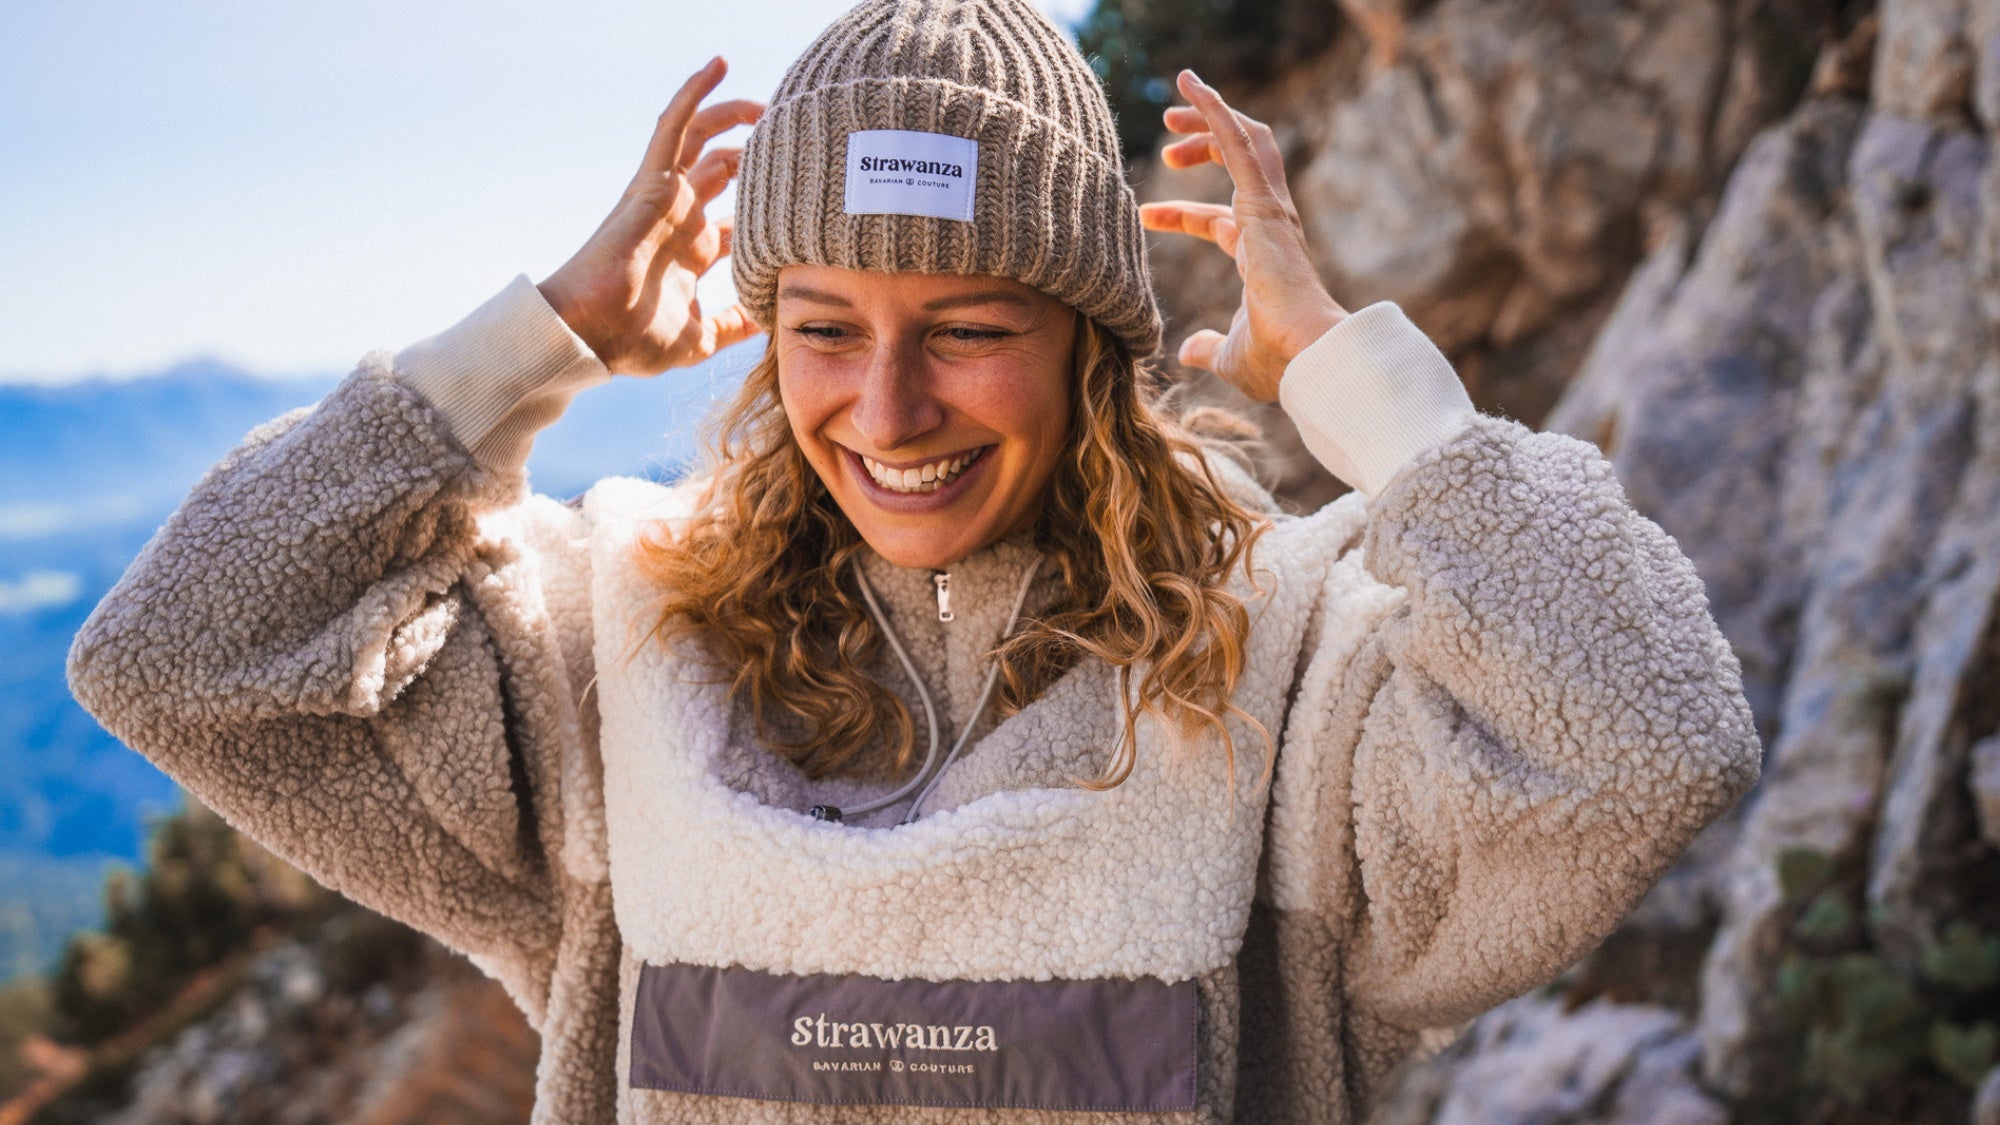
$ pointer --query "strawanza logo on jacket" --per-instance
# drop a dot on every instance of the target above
(810, 1031)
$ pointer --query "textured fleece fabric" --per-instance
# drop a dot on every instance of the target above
(1500, 708)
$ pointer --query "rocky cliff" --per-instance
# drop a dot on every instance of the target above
(1751, 249)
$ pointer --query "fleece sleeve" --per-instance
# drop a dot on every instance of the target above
(1556, 716)
(341, 642)
(1545, 722)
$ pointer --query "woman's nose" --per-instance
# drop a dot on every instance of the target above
(895, 405)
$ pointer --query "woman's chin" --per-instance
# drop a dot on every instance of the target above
(918, 560)
(933, 544)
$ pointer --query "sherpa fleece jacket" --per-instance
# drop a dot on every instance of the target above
(1500, 706)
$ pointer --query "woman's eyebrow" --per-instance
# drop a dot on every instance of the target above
(817, 296)
(960, 300)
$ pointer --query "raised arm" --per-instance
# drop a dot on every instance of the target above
(1535, 734)
(363, 646)
(341, 643)
(1551, 717)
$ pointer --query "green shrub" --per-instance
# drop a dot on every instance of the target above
(1870, 1035)
(205, 893)
(1801, 871)
(1964, 959)
(1966, 1052)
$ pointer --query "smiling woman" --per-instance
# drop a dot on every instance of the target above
(925, 417)
(934, 407)
(1237, 805)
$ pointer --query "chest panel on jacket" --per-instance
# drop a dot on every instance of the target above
(1151, 879)
(842, 1039)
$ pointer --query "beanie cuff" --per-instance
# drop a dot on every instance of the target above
(1049, 210)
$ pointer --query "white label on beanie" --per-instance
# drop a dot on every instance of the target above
(898, 172)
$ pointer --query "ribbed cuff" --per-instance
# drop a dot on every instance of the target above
(502, 374)
(1371, 394)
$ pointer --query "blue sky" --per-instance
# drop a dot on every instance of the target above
(287, 186)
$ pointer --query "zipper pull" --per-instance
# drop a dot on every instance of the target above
(943, 580)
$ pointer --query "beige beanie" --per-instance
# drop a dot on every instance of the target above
(946, 136)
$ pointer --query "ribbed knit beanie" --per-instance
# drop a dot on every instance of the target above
(945, 136)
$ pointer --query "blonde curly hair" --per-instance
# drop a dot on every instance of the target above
(1145, 536)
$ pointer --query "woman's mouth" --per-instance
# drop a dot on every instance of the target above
(928, 477)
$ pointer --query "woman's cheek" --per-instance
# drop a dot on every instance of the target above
(803, 392)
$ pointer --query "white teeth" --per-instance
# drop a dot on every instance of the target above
(924, 478)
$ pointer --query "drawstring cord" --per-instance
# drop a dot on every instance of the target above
(932, 770)
(985, 693)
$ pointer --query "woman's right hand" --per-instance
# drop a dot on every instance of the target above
(630, 291)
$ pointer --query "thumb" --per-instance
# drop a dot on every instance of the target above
(1199, 350)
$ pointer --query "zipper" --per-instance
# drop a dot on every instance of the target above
(943, 580)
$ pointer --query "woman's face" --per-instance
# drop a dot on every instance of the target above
(934, 406)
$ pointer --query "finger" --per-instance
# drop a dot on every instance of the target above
(714, 120)
(1184, 119)
(1195, 150)
(709, 245)
(1185, 217)
(1202, 220)
(1199, 350)
(671, 132)
(731, 327)
(701, 251)
(1228, 236)
(1241, 151)
(714, 171)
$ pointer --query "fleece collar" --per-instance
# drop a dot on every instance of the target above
(1151, 878)
(1031, 883)
(952, 655)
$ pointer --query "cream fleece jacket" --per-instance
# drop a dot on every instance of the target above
(1501, 710)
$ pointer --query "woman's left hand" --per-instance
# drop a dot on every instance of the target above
(1285, 307)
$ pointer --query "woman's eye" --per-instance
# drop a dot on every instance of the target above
(957, 335)
(966, 335)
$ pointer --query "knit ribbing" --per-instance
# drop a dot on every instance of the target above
(1050, 208)
(494, 415)
(1372, 394)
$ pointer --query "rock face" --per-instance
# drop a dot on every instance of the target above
(1498, 168)
(1533, 1062)
(362, 1021)
(1753, 251)
(1805, 398)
